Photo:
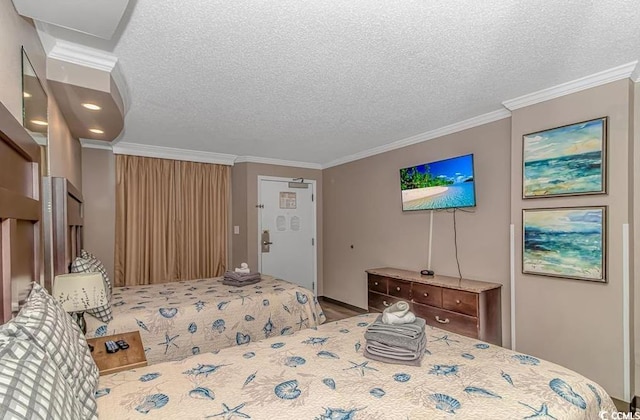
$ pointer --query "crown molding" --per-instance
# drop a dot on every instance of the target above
(83, 56)
(95, 144)
(635, 75)
(162, 152)
(123, 87)
(607, 76)
(280, 162)
(419, 138)
(48, 41)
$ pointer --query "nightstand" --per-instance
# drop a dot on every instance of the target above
(131, 358)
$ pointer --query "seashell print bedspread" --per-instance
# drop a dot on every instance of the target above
(181, 319)
(322, 374)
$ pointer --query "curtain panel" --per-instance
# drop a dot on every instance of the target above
(171, 220)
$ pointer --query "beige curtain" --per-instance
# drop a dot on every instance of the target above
(171, 220)
(203, 219)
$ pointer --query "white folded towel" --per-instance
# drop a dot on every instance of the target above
(244, 268)
(398, 313)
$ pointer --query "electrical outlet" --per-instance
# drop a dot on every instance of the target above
(236, 230)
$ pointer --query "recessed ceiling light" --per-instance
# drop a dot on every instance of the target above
(39, 122)
(96, 131)
(26, 94)
(91, 106)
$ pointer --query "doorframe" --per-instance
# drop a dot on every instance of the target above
(314, 225)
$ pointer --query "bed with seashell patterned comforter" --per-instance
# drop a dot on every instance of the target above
(322, 374)
(181, 319)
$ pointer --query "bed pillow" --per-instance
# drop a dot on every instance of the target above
(100, 266)
(84, 265)
(43, 322)
(31, 386)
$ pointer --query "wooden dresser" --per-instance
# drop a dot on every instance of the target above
(468, 307)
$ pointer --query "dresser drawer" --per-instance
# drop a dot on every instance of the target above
(447, 320)
(380, 302)
(459, 301)
(400, 289)
(377, 283)
(429, 295)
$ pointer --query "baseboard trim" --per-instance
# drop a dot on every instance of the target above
(344, 305)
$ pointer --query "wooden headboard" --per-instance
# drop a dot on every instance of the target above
(20, 213)
(63, 226)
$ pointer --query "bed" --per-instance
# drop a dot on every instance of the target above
(322, 374)
(184, 318)
(179, 319)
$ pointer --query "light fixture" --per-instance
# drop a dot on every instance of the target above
(39, 122)
(78, 292)
(96, 131)
(26, 94)
(91, 106)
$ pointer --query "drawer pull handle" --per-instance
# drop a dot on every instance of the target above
(425, 294)
(375, 284)
(458, 301)
(384, 302)
(398, 288)
(442, 321)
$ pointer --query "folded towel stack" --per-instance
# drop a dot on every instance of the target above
(232, 278)
(400, 341)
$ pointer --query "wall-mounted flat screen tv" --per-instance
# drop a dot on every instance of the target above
(443, 184)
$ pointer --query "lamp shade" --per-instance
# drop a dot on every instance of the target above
(77, 292)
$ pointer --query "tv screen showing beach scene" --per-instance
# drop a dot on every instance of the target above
(444, 184)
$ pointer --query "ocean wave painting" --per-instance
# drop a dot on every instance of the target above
(565, 242)
(567, 160)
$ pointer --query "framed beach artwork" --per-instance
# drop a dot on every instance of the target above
(565, 242)
(568, 160)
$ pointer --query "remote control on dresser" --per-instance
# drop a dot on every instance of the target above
(122, 344)
(111, 346)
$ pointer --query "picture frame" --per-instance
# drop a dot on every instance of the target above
(565, 242)
(565, 161)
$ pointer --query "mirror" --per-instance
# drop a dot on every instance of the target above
(35, 110)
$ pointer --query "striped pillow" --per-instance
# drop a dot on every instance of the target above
(43, 321)
(31, 386)
(100, 267)
(84, 265)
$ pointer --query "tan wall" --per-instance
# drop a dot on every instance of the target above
(99, 181)
(65, 151)
(577, 324)
(247, 218)
(15, 31)
(362, 208)
(239, 248)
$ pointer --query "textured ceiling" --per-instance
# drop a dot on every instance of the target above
(314, 81)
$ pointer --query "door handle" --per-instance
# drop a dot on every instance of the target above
(266, 241)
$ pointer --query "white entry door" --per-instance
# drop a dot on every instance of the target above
(287, 230)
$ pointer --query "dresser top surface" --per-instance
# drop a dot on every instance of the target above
(475, 286)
